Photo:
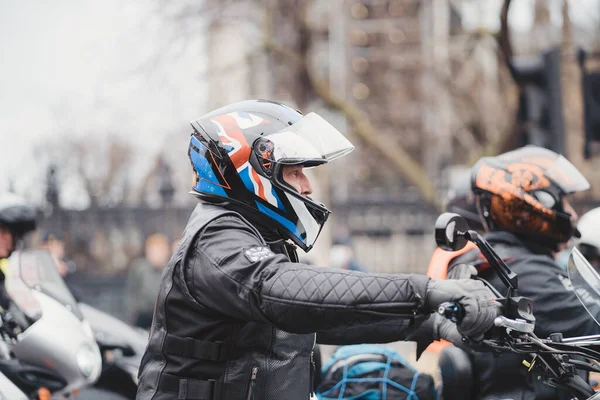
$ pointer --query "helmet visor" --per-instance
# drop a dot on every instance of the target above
(312, 140)
(556, 167)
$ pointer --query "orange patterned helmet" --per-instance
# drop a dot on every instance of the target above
(522, 191)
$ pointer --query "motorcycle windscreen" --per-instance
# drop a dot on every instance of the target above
(585, 280)
(38, 271)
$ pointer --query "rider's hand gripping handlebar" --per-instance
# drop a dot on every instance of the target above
(452, 233)
(452, 311)
(514, 330)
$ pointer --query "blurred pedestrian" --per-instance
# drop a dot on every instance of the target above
(342, 256)
(143, 280)
(54, 242)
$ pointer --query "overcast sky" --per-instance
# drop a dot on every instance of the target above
(83, 67)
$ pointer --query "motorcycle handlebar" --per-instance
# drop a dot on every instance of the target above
(452, 233)
(452, 311)
(580, 388)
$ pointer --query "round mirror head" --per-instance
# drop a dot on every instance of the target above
(449, 231)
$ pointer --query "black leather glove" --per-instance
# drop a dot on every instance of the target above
(443, 328)
(476, 299)
(462, 271)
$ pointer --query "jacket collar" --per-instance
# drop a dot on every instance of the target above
(514, 240)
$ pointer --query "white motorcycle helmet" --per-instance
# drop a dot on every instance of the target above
(17, 215)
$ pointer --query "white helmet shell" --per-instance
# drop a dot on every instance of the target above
(588, 226)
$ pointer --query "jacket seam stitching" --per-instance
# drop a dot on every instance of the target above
(218, 264)
(194, 260)
(356, 307)
(162, 342)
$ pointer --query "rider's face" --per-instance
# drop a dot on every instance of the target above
(6, 242)
(294, 176)
(570, 210)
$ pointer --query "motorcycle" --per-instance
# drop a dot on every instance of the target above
(9, 390)
(122, 348)
(513, 331)
(48, 346)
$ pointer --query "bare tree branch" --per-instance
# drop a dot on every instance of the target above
(504, 36)
(117, 157)
(142, 190)
(399, 157)
(471, 117)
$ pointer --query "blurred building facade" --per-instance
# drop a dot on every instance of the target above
(392, 52)
(394, 59)
(407, 64)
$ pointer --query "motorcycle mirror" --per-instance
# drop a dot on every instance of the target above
(452, 233)
(450, 229)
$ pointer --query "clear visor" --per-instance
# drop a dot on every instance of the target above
(312, 139)
(555, 166)
(586, 283)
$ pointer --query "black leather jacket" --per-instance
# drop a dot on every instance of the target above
(556, 309)
(235, 319)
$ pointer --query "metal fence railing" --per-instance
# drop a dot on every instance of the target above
(389, 238)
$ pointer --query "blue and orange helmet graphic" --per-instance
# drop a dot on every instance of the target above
(238, 152)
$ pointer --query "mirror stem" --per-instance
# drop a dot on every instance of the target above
(508, 277)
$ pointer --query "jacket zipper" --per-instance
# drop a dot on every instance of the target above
(312, 368)
(312, 374)
(252, 383)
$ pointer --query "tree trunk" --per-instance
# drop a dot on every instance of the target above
(572, 101)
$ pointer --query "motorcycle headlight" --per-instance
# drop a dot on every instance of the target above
(86, 360)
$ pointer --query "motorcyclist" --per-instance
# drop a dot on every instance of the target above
(17, 218)
(523, 199)
(237, 316)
